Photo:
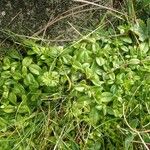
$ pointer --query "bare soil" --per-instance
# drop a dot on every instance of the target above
(27, 17)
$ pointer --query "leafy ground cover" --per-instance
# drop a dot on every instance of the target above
(92, 94)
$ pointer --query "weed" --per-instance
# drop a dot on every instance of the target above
(90, 94)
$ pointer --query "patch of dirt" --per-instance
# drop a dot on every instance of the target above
(27, 17)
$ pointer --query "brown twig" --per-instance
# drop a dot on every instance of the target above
(65, 15)
(14, 18)
(61, 18)
(101, 6)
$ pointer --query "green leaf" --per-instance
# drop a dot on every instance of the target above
(31, 52)
(93, 116)
(117, 113)
(134, 123)
(24, 98)
(66, 59)
(6, 74)
(14, 54)
(34, 86)
(6, 62)
(14, 66)
(8, 108)
(5, 93)
(95, 47)
(79, 88)
(23, 109)
(124, 48)
(35, 69)
(12, 97)
(50, 78)
(18, 89)
(141, 30)
(106, 97)
(112, 76)
(84, 56)
(144, 47)
(96, 81)
(77, 65)
(36, 96)
(27, 61)
(2, 80)
(89, 73)
(17, 75)
(100, 61)
(99, 107)
(128, 141)
(35, 47)
(3, 124)
(134, 61)
(127, 39)
(24, 70)
(29, 79)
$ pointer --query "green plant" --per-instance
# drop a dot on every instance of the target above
(142, 8)
(93, 94)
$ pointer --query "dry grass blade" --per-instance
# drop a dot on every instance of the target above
(134, 130)
(57, 19)
(67, 14)
(74, 29)
(101, 6)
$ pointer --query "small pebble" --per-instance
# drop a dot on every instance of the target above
(3, 13)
